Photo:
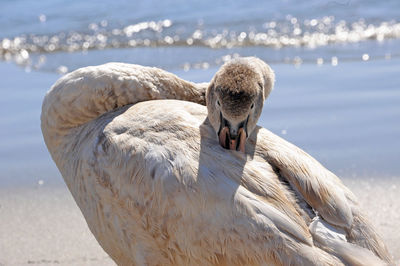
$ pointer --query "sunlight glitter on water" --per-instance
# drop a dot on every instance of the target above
(309, 33)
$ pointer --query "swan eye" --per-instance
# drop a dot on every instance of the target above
(252, 106)
(219, 104)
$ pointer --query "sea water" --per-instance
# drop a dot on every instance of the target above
(64, 35)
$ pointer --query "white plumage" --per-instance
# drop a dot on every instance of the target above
(156, 188)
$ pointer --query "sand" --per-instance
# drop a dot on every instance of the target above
(43, 225)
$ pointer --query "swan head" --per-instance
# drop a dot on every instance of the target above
(235, 98)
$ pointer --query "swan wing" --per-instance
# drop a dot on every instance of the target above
(321, 189)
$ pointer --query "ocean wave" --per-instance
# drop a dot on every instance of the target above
(290, 32)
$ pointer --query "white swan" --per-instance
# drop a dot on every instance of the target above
(156, 188)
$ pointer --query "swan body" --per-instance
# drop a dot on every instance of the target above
(143, 163)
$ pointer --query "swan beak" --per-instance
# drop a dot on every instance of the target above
(227, 142)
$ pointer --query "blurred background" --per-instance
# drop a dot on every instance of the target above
(337, 95)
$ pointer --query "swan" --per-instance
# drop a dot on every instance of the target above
(163, 180)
